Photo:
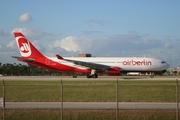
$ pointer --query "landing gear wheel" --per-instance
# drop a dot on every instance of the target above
(88, 76)
(151, 76)
(95, 76)
(74, 76)
(92, 76)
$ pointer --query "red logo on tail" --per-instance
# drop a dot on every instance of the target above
(24, 47)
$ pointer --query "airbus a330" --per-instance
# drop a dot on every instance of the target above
(92, 66)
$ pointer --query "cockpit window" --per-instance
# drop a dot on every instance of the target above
(163, 62)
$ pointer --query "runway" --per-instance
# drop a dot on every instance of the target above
(89, 105)
(83, 78)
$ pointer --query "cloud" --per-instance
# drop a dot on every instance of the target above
(25, 31)
(33, 34)
(168, 46)
(24, 18)
(2, 33)
(119, 45)
(92, 22)
(69, 44)
(38, 45)
(6, 51)
(12, 44)
(91, 32)
(125, 44)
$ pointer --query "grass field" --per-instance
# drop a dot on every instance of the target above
(89, 91)
(90, 115)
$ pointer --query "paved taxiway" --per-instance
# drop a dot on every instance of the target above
(103, 78)
(89, 105)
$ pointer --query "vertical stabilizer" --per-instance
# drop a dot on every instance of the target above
(26, 49)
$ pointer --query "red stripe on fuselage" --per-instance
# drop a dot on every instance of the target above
(46, 63)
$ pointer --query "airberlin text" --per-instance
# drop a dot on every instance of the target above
(137, 63)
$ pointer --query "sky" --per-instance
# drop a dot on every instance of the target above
(111, 28)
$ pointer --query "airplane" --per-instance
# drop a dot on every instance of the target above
(92, 66)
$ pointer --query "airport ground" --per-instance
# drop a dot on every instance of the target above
(127, 110)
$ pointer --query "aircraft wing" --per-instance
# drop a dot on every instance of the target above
(30, 60)
(86, 64)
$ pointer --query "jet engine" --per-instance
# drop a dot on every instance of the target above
(114, 71)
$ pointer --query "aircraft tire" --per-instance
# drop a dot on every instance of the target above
(151, 76)
(88, 76)
(95, 76)
(92, 76)
(74, 76)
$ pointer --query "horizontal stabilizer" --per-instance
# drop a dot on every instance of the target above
(24, 59)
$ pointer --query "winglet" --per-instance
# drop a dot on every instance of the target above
(59, 57)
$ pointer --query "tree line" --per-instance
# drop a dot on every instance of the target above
(27, 70)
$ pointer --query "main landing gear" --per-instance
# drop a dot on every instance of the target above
(93, 74)
(151, 76)
(74, 76)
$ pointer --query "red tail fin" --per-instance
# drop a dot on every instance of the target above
(26, 49)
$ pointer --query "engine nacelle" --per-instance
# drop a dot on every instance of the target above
(114, 71)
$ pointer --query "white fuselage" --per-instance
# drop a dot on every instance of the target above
(124, 63)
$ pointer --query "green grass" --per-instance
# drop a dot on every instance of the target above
(45, 114)
(90, 91)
